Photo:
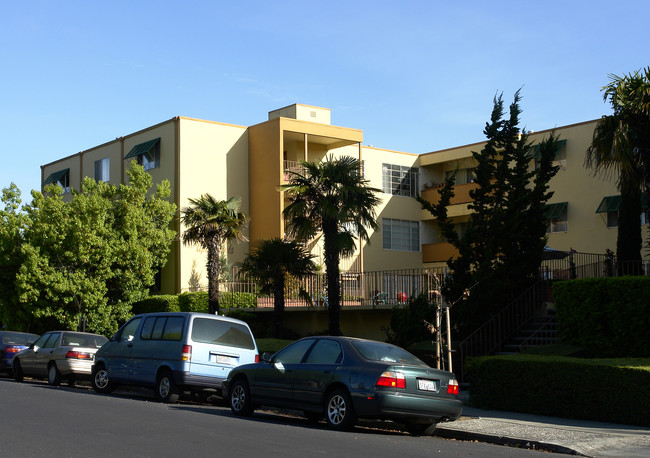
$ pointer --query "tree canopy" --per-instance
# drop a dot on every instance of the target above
(621, 145)
(210, 223)
(501, 247)
(79, 262)
(333, 198)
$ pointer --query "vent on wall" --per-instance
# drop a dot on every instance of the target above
(312, 114)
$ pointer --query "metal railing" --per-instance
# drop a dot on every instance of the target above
(358, 289)
(489, 337)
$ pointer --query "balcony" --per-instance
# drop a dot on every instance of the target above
(438, 252)
(461, 194)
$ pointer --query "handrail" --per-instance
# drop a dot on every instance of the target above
(500, 327)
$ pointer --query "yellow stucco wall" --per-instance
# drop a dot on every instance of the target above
(213, 159)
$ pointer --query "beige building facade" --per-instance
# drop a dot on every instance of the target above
(225, 160)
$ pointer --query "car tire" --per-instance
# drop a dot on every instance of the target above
(166, 389)
(53, 375)
(100, 381)
(339, 412)
(18, 371)
(420, 429)
(241, 403)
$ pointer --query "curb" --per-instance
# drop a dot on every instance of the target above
(503, 440)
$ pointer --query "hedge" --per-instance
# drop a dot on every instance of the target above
(162, 303)
(193, 302)
(608, 390)
(608, 316)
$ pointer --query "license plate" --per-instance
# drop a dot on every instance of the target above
(222, 359)
(427, 385)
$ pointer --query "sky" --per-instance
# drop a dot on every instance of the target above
(415, 76)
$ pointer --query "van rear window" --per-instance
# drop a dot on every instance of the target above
(210, 331)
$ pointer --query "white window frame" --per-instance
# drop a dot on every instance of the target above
(400, 180)
(400, 235)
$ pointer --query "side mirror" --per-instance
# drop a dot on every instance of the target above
(266, 356)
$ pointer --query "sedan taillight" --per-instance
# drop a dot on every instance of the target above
(78, 355)
(12, 349)
(392, 379)
(452, 388)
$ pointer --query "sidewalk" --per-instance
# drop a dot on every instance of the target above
(559, 435)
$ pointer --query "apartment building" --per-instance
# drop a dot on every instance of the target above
(226, 160)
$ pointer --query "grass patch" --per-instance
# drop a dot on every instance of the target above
(271, 345)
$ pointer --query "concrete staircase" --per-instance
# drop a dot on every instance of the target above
(541, 330)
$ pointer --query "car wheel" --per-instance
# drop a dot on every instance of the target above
(166, 388)
(240, 399)
(53, 375)
(18, 371)
(339, 412)
(420, 429)
(101, 382)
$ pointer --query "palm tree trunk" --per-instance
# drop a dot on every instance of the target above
(278, 308)
(333, 286)
(214, 271)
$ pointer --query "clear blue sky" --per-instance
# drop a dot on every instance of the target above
(415, 76)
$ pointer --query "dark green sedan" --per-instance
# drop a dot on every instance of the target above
(342, 379)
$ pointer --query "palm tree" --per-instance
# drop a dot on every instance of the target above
(332, 198)
(210, 223)
(621, 145)
(272, 263)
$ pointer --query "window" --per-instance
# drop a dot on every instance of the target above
(612, 219)
(128, 331)
(102, 169)
(220, 332)
(325, 352)
(556, 218)
(294, 353)
(645, 217)
(463, 176)
(399, 180)
(401, 235)
(560, 155)
(147, 154)
(61, 178)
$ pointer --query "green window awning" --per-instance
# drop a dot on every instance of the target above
(55, 177)
(554, 211)
(535, 153)
(142, 148)
(613, 203)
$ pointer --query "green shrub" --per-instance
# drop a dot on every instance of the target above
(615, 390)
(407, 322)
(607, 316)
(193, 302)
(162, 303)
(237, 300)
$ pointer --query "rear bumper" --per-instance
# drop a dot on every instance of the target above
(407, 407)
(75, 367)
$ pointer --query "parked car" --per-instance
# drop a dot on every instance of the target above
(342, 379)
(57, 356)
(174, 352)
(11, 342)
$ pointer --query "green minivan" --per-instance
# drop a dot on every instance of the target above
(173, 353)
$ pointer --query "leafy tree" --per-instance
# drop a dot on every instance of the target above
(332, 198)
(272, 264)
(85, 260)
(501, 248)
(621, 145)
(210, 223)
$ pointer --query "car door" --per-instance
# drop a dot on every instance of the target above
(274, 381)
(118, 355)
(43, 356)
(28, 357)
(315, 373)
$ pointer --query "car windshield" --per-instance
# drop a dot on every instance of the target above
(16, 338)
(83, 340)
(378, 351)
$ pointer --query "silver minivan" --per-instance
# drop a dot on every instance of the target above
(173, 352)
